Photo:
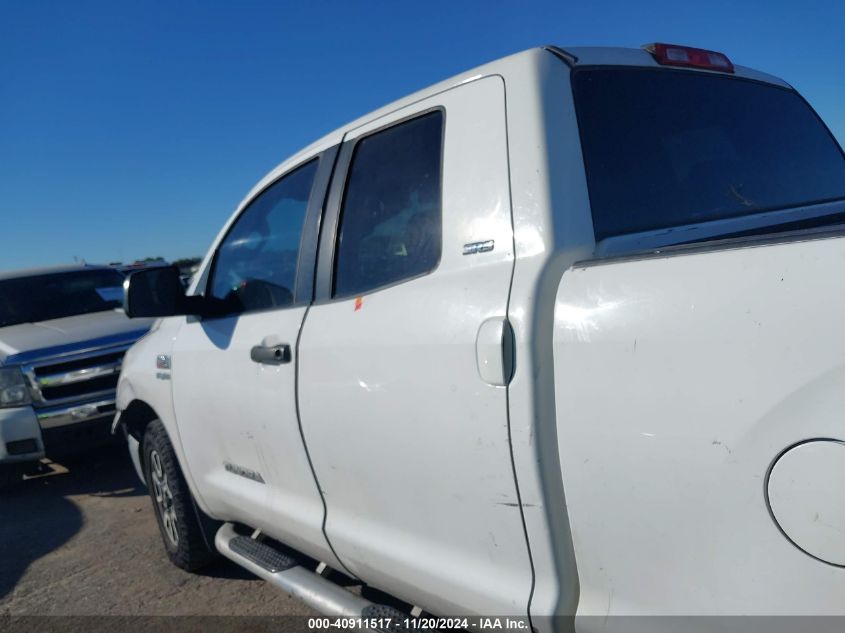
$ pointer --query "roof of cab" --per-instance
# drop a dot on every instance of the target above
(49, 270)
(504, 67)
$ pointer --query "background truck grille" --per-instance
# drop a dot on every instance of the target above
(66, 366)
(79, 389)
(55, 381)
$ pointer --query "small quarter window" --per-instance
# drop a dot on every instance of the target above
(256, 264)
(390, 219)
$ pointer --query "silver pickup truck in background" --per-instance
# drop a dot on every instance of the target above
(62, 340)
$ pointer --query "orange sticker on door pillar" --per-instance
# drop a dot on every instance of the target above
(359, 301)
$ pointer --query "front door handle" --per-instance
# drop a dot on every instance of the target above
(271, 354)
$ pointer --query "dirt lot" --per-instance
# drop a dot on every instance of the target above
(85, 542)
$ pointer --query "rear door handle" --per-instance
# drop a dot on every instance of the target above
(271, 354)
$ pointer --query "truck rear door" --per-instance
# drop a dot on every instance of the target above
(409, 443)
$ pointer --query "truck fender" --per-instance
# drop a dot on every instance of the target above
(131, 420)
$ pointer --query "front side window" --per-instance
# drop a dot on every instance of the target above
(390, 216)
(256, 264)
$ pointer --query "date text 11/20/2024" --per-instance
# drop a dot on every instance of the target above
(420, 623)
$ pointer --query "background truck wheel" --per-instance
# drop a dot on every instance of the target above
(11, 476)
(178, 517)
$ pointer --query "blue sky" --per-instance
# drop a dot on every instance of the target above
(133, 129)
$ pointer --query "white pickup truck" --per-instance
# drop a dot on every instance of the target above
(561, 336)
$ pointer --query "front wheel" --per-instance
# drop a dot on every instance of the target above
(178, 518)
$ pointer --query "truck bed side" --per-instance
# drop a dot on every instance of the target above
(679, 380)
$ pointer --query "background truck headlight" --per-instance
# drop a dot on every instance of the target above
(13, 389)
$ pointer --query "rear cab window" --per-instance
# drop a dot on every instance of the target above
(694, 155)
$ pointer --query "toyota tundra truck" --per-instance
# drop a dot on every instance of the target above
(560, 339)
(62, 339)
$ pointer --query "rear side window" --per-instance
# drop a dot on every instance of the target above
(390, 217)
(665, 148)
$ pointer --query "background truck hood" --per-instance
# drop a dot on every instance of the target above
(76, 333)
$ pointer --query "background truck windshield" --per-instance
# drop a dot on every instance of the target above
(57, 295)
(665, 148)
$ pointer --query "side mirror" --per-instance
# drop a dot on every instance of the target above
(157, 292)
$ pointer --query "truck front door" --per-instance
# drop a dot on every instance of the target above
(234, 375)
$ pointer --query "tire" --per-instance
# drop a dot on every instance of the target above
(11, 476)
(177, 515)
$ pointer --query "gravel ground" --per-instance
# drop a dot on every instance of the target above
(84, 541)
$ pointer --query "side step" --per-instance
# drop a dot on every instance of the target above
(285, 573)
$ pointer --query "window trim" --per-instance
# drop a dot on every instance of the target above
(308, 239)
(327, 253)
(717, 244)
